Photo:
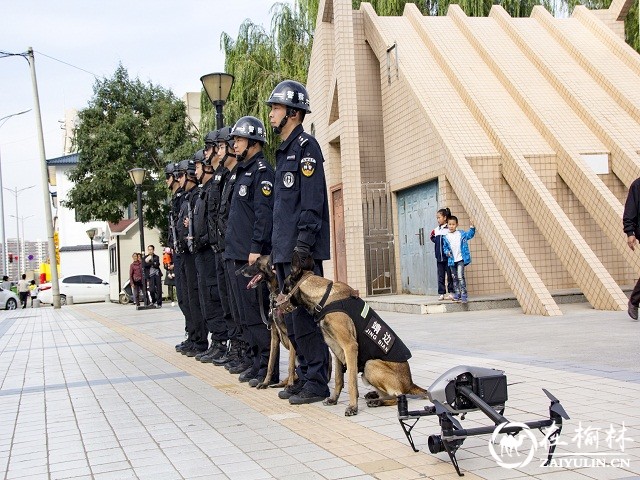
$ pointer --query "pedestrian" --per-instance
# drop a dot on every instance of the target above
(135, 278)
(170, 276)
(6, 284)
(631, 226)
(33, 291)
(437, 237)
(153, 275)
(456, 247)
(248, 236)
(301, 227)
(23, 290)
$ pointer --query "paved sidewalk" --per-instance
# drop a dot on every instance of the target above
(97, 391)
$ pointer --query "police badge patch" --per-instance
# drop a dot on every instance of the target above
(288, 179)
(266, 187)
(243, 190)
(308, 166)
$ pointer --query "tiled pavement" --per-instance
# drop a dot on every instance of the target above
(97, 391)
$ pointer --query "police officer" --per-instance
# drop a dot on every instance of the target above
(248, 235)
(197, 328)
(204, 256)
(218, 215)
(173, 177)
(300, 225)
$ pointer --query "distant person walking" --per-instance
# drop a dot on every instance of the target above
(6, 284)
(154, 275)
(631, 226)
(437, 237)
(23, 290)
(135, 278)
(33, 291)
(456, 247)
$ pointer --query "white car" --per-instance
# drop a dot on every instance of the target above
(8, 299)
(83, 289)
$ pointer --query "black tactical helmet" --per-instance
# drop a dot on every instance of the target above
(198, 157)
(169, 169)
(181, 166)
(212, 137)
(251, 128)
(291, 94)
(224, 135)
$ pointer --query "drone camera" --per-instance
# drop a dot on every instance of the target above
(435, 443)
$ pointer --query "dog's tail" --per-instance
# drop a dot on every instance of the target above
(419, 392)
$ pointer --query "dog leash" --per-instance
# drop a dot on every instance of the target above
(284, 301)
(318, 308)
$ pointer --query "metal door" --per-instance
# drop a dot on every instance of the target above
(417, 207)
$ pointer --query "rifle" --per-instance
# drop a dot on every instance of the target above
(174, 236)
(190, 245)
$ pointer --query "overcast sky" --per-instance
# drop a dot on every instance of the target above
(170, 43)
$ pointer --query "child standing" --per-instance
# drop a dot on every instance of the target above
(437, 237)
(456, 247)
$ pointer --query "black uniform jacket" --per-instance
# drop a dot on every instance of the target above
(631, 215)
(301, 207)
(251, 211)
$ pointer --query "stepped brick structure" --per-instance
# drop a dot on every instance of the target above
(529, 127)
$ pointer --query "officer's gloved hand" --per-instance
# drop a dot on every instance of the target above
(303, 252)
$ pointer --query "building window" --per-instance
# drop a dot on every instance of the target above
(113, 259)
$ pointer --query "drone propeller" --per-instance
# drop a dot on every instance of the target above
(556, 407)
(441, 410)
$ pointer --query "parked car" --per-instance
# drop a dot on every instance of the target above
(83, 289)
(8, 299)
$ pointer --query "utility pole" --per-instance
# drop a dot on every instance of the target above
(55, 287)
(15, 192)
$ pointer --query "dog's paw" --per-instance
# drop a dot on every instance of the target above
(371, 395)
(374, 402)
(330, 401)
(351, 411)
(261, 386)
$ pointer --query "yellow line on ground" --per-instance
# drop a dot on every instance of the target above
(373, 453)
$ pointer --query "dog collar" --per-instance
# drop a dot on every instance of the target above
(284, 301)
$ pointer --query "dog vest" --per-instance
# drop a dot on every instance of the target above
(376, 340)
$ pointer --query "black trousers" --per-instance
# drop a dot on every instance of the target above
(197, 329)
(443, 270)
(209, 296)
(635, 294)
(249, 306)
(306, 337)
(181, 288)
(155, 288)
(226, 299)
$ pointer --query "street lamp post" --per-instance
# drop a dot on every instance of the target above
(15, 192)
(92, 233)
(22, 251)
(137, 177)
(3, 120)
(217, 86)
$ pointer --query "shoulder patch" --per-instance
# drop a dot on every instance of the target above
(308, 165)
(266, 187)
(261, 166)
(303, 141)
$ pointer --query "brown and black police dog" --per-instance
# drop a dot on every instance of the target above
(262, 271)
(389, 378)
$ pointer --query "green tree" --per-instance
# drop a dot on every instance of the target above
(126, 124)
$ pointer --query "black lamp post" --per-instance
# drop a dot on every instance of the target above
(137, 177)
(92, 233)
(217, 86)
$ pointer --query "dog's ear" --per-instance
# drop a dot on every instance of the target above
(269, 262)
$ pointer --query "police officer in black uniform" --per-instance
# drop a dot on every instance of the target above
(197, 329)
(218, 214)
(204, 256)
(173, 175)
(300, 225)
(248, 235)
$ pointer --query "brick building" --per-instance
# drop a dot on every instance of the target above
(530, 127)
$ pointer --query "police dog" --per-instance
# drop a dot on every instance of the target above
(262, 271)
(340, 332)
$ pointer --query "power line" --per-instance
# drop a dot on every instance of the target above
(67, 63)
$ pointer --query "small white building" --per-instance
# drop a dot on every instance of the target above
(75, 245)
